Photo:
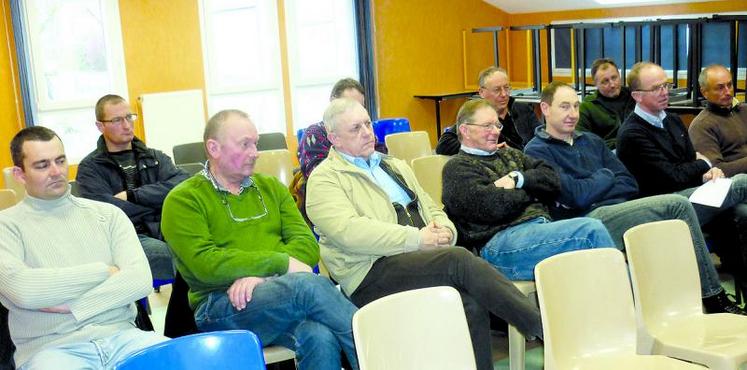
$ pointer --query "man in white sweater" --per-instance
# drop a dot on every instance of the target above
(70, 268)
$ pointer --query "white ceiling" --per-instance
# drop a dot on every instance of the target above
(534, 6)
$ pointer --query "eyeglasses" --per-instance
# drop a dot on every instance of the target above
(499, 89)
(131, 117)
(487, 126)
(658, 88)
(245, 219)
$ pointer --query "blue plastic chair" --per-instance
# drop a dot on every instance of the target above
(386, 126)
(225, 350)
(299, 135)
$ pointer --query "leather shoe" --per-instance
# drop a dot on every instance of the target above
(721, 303)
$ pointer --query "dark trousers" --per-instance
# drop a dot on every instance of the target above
(483, 289)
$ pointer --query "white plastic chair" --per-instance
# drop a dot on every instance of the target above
(428, 170)
(516, 340)
(7, 198)
(669, 310)
(276, 163)
(13, 184)
(587, 312)
(416, 329)
(409, 145)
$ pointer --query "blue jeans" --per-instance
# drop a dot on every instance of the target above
(300, 311)
(516, 250)
(620, 217)
(159, 257)
(737, 194)
(104, 353)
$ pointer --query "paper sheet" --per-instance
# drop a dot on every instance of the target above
(712, 193)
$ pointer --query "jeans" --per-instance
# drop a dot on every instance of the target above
(300, 311)
(620, 217)
(737, 194)
(104, 353)
(159, 257)
(516, 250)
(482, 289)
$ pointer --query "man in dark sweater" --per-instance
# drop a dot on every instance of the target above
(594, 183)
(603, 111)
(518, 119)
(124, 172)
(655, 147)
(497, 197)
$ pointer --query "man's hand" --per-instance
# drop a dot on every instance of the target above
(505, 182)
(713, 174)
(63, 308)
(241, 291)
(432, 236)
(121, 195)
(113, 270)
(295, 265)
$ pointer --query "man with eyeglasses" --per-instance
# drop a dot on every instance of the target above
(656, 149)
(518, 119)
(603, 111)
(123, 171)
(594, 183)
(246, 253)
(380, 233)
(498, 198)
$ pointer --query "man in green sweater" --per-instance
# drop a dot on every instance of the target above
(246, 253)
(70, 268)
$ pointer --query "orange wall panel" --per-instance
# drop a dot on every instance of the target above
(11, 111)
(418, 47)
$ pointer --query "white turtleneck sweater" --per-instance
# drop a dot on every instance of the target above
(55, 252)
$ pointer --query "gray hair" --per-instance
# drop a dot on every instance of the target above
(336, 108)
(487, 72)
(703, 77)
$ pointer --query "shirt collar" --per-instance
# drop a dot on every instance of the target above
(654, 120)
(475, 151)
(246, 183)
(373, 160)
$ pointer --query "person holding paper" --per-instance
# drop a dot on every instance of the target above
(654, 145)
(594, 183)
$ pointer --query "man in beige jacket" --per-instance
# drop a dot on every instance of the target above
(380, 233)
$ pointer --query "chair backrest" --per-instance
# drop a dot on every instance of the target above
(665, 276)
(225, 350)
(385, 126)
(415, 329)
(299, 135)
(189, 153)
(409, 145)
(429, 171)
(276, 163)
(271, 141)
(191, 168)
(7, 198)
(586, 306)
(74, 188)
(11, 183)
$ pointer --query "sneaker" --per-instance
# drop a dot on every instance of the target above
(721, 303)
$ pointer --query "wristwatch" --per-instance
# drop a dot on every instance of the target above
(514, 176)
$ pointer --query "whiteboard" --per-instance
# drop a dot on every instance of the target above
(172, 118)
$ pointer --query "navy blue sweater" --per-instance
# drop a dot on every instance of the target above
(590, 174)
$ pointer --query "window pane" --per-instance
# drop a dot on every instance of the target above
(562, 46)
(715, 43)
(612, 44)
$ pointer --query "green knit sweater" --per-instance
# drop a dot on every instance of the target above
(212, 249)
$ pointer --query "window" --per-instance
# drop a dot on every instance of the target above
(72, 52)
(242, 47)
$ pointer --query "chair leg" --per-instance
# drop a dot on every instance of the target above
(516, 348)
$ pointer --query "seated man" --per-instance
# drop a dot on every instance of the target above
(246, 253)
(518, 119)
(594, 183)
(380, 233)
(656, 149)
(70, 268)
(719, 131)
(603, 111)
(498, 197)
(124, 172)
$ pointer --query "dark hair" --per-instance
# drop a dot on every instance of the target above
(33, 133)
(601, 63)
(103, 101)
(344, 84)
(548, 92)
